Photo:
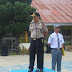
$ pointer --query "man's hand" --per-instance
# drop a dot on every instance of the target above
(49, 44)
(62, 45)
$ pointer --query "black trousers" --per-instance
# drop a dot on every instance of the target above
(36, 46)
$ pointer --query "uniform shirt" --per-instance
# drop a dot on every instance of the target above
(53, 40)
(37, 30)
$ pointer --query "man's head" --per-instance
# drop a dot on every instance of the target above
(36, 16)
(56, 28)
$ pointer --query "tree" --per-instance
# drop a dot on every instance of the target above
(20, 21)
(24, 1)
(6, 15)
(3, 2)
(15, 18)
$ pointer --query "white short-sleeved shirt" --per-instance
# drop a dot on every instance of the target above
(53, 40)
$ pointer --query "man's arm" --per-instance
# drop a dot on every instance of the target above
(49, 41)
(45, 30)
(62, 45)
(45, 34)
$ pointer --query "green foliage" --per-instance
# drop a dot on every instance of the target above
(68, 43)
(45, 41)
(14, 18)
(24, 1)
(2, 2)
(22, 12)
(6, 12)
(17, 27)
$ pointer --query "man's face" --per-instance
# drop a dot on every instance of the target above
(57, 29)
(36, 18)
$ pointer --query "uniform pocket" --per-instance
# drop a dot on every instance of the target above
(31, 29)
(42, 42)
(40, 29)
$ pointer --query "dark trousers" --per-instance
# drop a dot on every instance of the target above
(48, 49)
(36, 47)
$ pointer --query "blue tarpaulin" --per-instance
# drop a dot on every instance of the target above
(26, 70)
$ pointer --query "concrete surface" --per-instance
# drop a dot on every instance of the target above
(15, 62)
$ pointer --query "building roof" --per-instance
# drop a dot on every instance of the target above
(54, 11)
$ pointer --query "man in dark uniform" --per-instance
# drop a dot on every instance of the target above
(38, 32)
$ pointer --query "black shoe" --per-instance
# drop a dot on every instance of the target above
(29, 70)
(41, 70)
(37, 70)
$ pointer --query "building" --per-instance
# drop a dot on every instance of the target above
(56, 12)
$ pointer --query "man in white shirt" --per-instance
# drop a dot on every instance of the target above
(56, 42)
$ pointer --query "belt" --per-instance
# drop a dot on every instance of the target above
(36, 38)
(56, 48)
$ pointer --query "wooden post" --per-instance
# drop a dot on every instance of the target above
(26, 37)
(23, 50)
(20, 39)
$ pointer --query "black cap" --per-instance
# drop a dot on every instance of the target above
(35, 14)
